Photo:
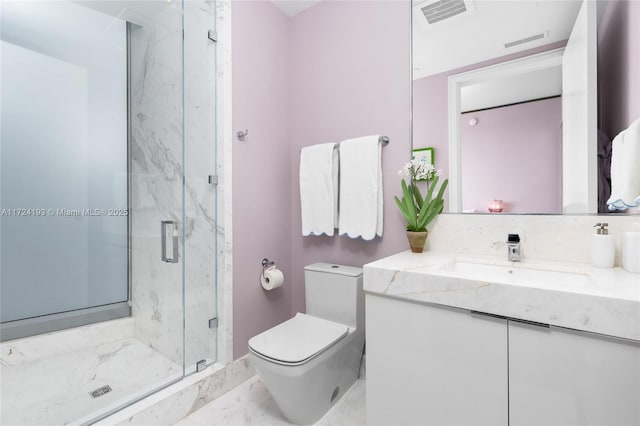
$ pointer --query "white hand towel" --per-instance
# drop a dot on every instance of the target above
(360, 205)
(319, 189)
(625, 169)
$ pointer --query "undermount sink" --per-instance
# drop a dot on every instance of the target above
(514, 274)
(525, 275)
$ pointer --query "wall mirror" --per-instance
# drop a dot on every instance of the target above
(506, 94)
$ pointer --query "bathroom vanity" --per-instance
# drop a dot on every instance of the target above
(477, 340)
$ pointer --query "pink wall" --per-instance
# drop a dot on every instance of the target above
(300, 81)
(337, 70)
(261, 166)
(430, 117)
(348, 79)
(430, 99)
(514, 153)
(619, 66)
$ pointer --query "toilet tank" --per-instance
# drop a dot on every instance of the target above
(334, 292)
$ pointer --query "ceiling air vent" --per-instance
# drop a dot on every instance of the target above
(525, 40)
(443, 9)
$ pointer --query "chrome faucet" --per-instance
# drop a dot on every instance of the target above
(513, 246)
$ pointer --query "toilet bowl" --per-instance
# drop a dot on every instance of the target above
(309, 361)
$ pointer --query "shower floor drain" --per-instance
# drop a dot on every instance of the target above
(100, 391)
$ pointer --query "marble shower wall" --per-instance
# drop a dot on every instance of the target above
(224, 131)
(156, 178)
(157, 168)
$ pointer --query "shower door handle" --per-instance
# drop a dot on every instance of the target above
(164, 227)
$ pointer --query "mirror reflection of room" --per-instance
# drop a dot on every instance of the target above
(534, 138)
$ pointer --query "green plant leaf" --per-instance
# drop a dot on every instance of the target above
(403, 210)
(441, 193)
(434, 206)
(422, 216)
(419, 211)
(434, 209)
(412, 217)
(409, 206)
(432, 187)
(417, 195)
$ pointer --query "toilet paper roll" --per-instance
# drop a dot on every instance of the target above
(272, 278)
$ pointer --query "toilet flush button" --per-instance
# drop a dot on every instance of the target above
(335, 266)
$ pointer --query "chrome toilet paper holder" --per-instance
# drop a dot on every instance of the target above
(266, 264)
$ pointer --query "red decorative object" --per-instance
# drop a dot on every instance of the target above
(496, 206)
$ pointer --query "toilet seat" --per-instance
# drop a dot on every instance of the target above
(297, 340)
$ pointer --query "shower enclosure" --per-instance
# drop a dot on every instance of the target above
(108, 226)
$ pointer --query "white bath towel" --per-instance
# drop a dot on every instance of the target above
(625, 169)
(319, 189)
(360, 205)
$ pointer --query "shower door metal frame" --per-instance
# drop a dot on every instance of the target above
(27, 327)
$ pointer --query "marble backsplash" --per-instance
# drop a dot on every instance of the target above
(542, 237)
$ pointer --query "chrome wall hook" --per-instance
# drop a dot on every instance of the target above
(241, 135)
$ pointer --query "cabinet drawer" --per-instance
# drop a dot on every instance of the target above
(565, 377)
(431, 365)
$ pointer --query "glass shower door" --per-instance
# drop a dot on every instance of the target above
(92, 201)
(201, 185)
(156, 175)
(64, 217)
(108, 192)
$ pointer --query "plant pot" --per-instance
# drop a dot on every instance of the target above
(417, 240)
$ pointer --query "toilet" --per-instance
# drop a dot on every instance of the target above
(309, 361)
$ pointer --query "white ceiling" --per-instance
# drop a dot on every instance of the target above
(480, 33)
(517, 88)
(139, 12)
(292, 7)
(471, 37)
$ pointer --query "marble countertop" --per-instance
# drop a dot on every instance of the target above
(605, 301)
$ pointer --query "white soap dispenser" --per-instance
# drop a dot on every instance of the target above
(631, 249)
(603, 247)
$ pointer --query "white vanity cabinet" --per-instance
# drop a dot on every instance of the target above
(429, 365)
(433, 365)
(565, 377)
(432, 359)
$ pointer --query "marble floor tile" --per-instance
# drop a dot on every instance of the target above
(251, 404)
(54, 390)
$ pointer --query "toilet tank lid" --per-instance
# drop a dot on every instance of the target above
(333, 268)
